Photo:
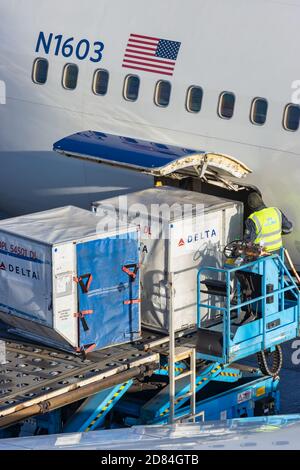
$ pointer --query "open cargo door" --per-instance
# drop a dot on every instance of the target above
(158, 160)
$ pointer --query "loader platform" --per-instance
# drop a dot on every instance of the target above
(46, 390)
(36, 378)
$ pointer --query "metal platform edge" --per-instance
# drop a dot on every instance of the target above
(84, 380)
(116, 365)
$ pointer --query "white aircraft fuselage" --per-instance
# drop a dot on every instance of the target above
(247, 48)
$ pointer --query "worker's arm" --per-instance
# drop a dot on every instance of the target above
(286, 225)
(250, 231)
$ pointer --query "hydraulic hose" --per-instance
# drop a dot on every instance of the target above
(277, 360)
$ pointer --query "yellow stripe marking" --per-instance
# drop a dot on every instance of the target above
(105, 407)
(198, 383)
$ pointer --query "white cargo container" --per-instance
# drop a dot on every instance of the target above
(175, 242)
(65, 280)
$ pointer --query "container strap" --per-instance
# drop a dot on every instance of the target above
(81, 316)
(84, 286)
(86, 348)
(132, 301)
(131, 270)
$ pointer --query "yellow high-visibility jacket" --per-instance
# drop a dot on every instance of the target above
(268, 223)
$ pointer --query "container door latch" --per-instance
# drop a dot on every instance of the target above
(81, 316)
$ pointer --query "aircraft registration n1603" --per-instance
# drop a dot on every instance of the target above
(69, 46)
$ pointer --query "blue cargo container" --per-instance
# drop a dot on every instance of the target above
(70, 279)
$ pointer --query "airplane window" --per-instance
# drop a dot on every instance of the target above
(70, 76)
(291, 117)
(40, 71)
(194, 99)
(259, 109)
(100, 82)
(131, 87)
(226, 105)
(162, 93)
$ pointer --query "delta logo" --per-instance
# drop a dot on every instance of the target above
(197, 237)
(20, 271)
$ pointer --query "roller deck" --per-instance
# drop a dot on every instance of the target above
(32, 375)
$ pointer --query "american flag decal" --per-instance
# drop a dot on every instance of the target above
(151, 54)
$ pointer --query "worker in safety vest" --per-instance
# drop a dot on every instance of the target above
(265, 225)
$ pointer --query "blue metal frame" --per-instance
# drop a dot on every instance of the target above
(159, 406)
(230, 402)
(256, 337)
(137, 412)
(164, 368)
(92, 413)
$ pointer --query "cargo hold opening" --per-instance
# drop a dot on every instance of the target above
(194, 170)
(195, 184)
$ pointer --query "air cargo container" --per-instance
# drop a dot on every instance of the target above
(69, 281)
(180, 231)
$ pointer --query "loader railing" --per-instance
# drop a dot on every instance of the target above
(231, 344)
